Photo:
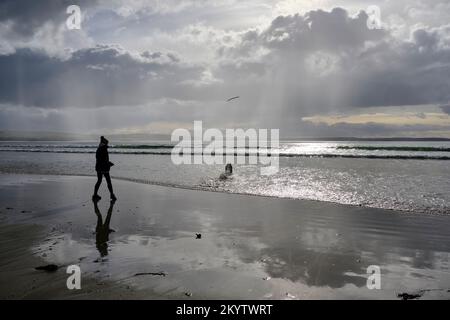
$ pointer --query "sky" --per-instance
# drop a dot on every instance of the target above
(311, 68)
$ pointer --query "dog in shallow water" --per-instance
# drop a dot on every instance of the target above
(228, 172)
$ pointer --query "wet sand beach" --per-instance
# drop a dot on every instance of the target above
(169, 243)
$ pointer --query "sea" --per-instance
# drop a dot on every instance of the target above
(408, 176)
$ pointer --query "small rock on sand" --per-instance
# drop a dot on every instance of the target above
(48, 268)
(408, 296)
(162, 273)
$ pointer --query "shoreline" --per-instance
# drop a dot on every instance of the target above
(194, 188)
(251, 247)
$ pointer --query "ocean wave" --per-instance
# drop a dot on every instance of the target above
(89, 146)
(246, 154)
(395, 148)
(368, 156)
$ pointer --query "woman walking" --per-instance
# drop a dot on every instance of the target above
(102, 167)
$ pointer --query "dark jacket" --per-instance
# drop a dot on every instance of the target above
(102, 157)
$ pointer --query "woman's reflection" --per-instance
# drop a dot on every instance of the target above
(102, 230)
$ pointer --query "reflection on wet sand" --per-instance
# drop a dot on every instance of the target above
(251, 247)
(102, 230)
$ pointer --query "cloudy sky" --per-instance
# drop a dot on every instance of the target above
(307, 67)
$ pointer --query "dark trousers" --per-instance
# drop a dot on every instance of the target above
(100, 175)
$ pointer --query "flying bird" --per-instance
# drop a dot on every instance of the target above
(232, 98)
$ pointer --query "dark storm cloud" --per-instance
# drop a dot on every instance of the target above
(332, 31)
(99, 76)
(319, 30)
(411, 73)
(328, 61)
(316, 62)
(299, 65)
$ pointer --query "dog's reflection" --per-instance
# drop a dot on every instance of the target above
(102, 229)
